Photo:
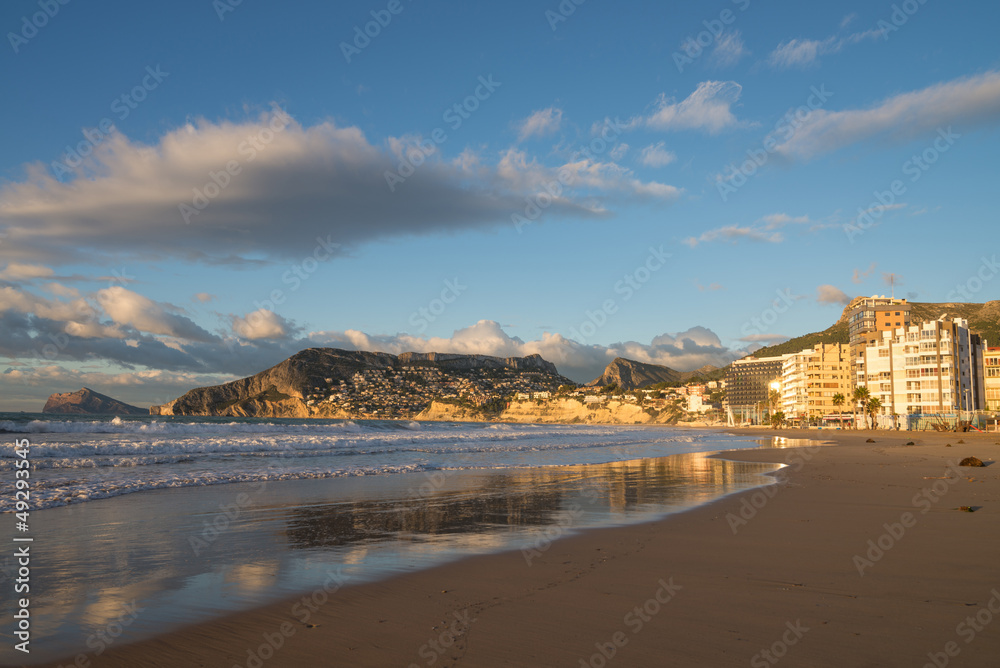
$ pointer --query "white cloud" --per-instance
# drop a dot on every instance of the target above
(203, 297)
(971, 101)
(261, 324)
(728, 50)
(308, 183)
(765, 230)
(684, 351)
(805, 52)
(619, 151)
(16, 271)
(125, 307)
(540, 123)
(655, 155)
(829, 294)
(708, 108)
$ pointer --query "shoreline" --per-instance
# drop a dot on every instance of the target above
(736, 582)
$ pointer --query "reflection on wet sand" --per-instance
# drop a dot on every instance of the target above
(100, 556)
(524, 497)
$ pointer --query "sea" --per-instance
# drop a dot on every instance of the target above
(143, 524)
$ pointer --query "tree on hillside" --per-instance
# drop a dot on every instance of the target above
(861, 397)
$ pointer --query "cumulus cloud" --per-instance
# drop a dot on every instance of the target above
(708, 108)
(126, 307)
(970, 101)
(275, 194)
(540, 123)
(262, 324)
(829, 294)
(728, 50)
(581, 362)
(655, 155)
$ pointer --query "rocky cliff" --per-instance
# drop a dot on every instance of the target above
(559, 411)
(632, 375)
(87, 402)
(333, 383)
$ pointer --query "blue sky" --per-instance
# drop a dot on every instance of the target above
(671, 184)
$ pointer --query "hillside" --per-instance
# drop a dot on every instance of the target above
(328, 382)
(984, 319)
(86, 401)
(632, 375)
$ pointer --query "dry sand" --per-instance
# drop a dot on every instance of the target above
(783, 578)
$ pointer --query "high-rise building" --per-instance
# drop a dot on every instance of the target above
(935, 367)
(868, 317)
(991, 380)
(748, 383)
(811, 378)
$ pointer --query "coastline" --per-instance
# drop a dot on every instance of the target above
(710, 589)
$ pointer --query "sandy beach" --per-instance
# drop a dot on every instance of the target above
(859, 556)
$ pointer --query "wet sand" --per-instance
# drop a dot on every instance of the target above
(768, 576)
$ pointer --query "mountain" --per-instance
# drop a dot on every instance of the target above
(328, 382)
(87, 402)
(984, 319)
(632, 375)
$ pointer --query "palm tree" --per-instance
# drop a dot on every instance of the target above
(873, 405)
(860, 396)
(838, 401)
(777, 419)
(774, 398)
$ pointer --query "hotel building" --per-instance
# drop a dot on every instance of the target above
(810, 378)
(748, 383)
(931, 368)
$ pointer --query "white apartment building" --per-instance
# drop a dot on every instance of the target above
(931, 368)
